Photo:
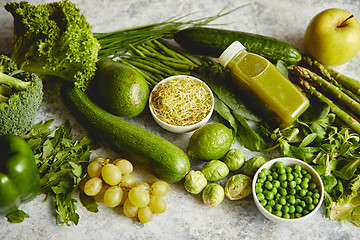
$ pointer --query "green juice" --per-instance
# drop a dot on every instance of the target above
(266, 88)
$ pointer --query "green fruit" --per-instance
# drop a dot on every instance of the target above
(209, 142)
(120, 89)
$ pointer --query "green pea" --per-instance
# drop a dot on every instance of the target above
(298, 215)
(285, 209)
(297, 167)
(312, 186)
(309, 193)
(282, 200)
(277, 207)
(315, 201)
(271, 202)
(275, 175)
(268, 185)
(297, 180)
(299, 209)
(274, 190)
(279, 165)
(302, 192)
(316, 195)
(269, 178)
(268, 195)
(260, 196)
(286, 215)
(292, 209)
(278, 213)
(282, 177)
(276, 183)
(297, 188)
(288, 169)
(292, 184)
(292, 191)
(258, 189)
(290, 177)
(291, 200)
(263, 202)
(308, 200)
(269, 208)
(261, 180)
(305, 212)
(281, 171)
(282, 191)
(277, 195)
(284, 184)
(261, 175)
(310, 207)
(304, 172)
(302, 204)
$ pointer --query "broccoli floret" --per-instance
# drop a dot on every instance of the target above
(54, 39)
(18, 105)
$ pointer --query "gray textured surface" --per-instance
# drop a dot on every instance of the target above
(186, 217)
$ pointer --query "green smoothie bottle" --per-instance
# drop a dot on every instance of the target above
(263, 86)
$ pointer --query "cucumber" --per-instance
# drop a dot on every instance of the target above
(212, 42)
(147, 150)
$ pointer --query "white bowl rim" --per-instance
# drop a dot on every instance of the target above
(188, 127)
(294, 161)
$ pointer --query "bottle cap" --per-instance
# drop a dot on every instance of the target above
(230, 52)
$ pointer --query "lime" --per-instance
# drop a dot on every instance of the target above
(210, 142)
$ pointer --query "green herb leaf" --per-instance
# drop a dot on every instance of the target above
(89, 203)
(17, 216)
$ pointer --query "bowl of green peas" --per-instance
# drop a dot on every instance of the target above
(287, 190)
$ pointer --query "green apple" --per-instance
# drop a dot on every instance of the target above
(333, 37)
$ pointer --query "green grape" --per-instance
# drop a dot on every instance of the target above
(143, 185)
(160, 188)
(125, 166)
(100, 196)
(157, 204)
(128, 181)
(113, 196)
(139, 196)
(145, 214)
(94, 169)
(99, 159)
(93, 186)
(129, 209)
(111, 174)
(83, 181)
(125, 196)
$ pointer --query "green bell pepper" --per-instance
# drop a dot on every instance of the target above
(19, 175)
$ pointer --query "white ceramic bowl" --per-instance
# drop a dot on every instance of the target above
(180, 129)
(289, 162)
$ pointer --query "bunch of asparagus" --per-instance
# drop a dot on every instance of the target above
(342, 93)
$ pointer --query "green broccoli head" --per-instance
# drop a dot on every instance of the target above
(18, 106)
(54, 39)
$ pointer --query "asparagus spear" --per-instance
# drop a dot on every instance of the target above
(347, 82)
(341, 114)
(334, 90)
(327, 75)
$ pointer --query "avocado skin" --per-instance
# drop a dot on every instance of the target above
(120, 89)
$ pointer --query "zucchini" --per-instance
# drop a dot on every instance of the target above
(212, 42)
(147, 150)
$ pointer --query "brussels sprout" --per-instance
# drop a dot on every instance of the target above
(234, 159)
(238, 187)
(213, 195)
(252, 165)
(195, 182)
(215, 170)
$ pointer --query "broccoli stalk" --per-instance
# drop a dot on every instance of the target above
(54, 39)
(9, 84)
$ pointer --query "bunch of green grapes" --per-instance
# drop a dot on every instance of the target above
(114, 184)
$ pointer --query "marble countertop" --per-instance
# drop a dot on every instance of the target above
(186, 217)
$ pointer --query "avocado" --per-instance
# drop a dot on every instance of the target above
(120, 89)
